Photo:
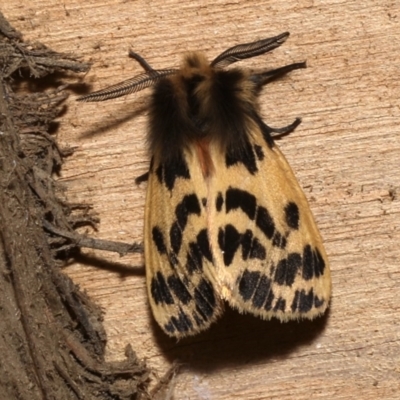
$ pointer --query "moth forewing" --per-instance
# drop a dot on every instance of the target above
(180, 274)
(268, 252)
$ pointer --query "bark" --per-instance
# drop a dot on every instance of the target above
(52, 340)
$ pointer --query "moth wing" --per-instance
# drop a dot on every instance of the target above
(268, 252)
(179, 269)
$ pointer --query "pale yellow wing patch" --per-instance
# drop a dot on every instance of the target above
(179, 268)
(268, 253)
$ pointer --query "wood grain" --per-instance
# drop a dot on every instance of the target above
(345, 154)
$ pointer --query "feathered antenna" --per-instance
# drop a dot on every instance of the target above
(152, 76)
(132, 85)
(248, 50)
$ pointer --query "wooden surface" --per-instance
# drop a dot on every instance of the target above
(346, 155)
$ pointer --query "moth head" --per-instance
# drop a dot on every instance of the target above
(195, 63)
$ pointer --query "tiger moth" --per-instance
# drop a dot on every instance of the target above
(225, 218)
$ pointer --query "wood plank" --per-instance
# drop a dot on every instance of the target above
(345, 154)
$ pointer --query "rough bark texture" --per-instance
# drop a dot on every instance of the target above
(345, 154)
(51, 338)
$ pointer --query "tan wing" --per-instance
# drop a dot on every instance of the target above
(267, 250)
(179, 270)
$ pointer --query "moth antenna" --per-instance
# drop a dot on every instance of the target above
(128, 86)
(248, 50)
(263, 78)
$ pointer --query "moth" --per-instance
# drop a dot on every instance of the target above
(225, 218)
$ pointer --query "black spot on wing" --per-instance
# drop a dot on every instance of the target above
(318, 302)
(194, 260)
(175, 237)
(270, 298)
(189, 205)
(247, 241)
(287, 269)
(237, 198)
(169, 327)
(258, 287)
(247, 202)
(204, 297)
(204, 244)
(265, 222)
(248, 284)
(160, 174)
(197, 251)
(197, 319)
(278, 240)
(280, 304)
(158, 239)
(257, 250)
(179, 289)
(252, 247)
(168, 172)
(263, 291)
(243, 154)
(292, 215)
(229, 242)
(230, 239)
(219, 202)
(160, 291)
(313, 264)
(304, 302)
(181, 323)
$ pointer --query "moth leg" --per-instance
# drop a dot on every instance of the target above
(268, 131)
(284, 130)
(143, 63)
(266, 77)
(142, 178)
